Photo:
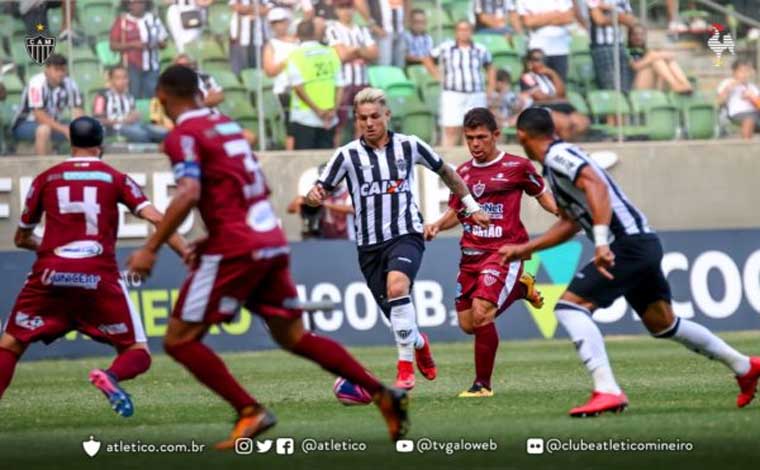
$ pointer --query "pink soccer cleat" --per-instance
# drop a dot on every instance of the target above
(600, 403)
(748, 383)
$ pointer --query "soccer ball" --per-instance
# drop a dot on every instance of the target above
(350, 394)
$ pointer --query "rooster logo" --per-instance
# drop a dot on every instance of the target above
(718, 45)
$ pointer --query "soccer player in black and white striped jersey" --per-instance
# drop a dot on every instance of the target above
(379, 168)
(626, 263)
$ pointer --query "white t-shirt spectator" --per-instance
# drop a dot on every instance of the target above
(553, 40)
(736, 102)
(281, 50)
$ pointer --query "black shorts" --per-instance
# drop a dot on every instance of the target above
(400, 254)
(637, 272)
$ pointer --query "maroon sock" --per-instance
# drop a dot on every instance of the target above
(129, 364)
(334, 358)
(211, 371)
(8, 360)
(486, 344)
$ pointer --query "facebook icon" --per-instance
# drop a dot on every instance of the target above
(285, 446)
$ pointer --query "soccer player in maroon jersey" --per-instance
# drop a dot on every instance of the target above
(75, 282)
(243, 262)
(485, 287)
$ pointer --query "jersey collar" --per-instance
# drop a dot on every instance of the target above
(83, 159)
(484, 165)
(192, 114)
(370, 148)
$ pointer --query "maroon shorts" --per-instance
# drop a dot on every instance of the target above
(486, 278)
(218, 287)
(52, 304)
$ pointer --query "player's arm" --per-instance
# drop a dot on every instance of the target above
(331, 176)
(26, 239)
(598, 197)
(185, 198)
(456, 184)
(445, 222)
(546, 200)
(562, 230)
(176, 241)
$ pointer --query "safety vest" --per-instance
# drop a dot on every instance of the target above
(318, 65)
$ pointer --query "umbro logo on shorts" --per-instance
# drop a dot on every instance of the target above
(406, 260)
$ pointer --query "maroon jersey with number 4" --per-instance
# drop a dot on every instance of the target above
(79, 198)
(497, 186)
(234, 201)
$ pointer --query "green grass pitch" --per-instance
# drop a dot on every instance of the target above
(675, 395)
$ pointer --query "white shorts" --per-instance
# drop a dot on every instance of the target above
(454, 105)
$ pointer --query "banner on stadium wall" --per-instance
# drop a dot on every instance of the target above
(714, 275)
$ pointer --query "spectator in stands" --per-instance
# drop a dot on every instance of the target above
(44, 99)
(331, 220)
(417, 41)
(547, 22)
(505, 103)
(275, 60)
(34, 12)
(356, 48)
(741, 97)
(496, 16)
(461, 64)
(603, 42)
(314, 73)
(319, 11)
(386, 21)
(139, 34)
(246, 32)
(115, 109)
(654, 67)
(545, 88)
(186, 19)
(675, 25)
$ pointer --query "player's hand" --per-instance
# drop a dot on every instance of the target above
(509, 253)
(481, 219)
(141, 262)
(604, 260)
(190, 257)
(430, 231)
(316, 195)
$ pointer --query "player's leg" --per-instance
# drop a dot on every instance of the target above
(651, 299)
(11, 351)
(403, 261)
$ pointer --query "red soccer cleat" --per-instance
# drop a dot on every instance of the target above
(748, 383)
(405, 375)
(425, 362)
(600, 403)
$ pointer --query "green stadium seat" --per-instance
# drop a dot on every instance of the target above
(495, 43)
(106, 56)
(510, 62)
(580, 43)
(250, 78)
(520, 44)
(581, 71)
(700, 120)
(83, 53)
(233, 89)
(219, 15)
(391, 79)
(87, 74)
(652, 108)
(237, 109)
(167, 55)
(603, 103)
(431, 95)
(461, 10)
(143, 107)
(96, 19)
(418, 74)
(204, 49)
(420, 121)
(12, 82)
(576, 99)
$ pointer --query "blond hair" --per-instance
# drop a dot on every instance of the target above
(370, 95)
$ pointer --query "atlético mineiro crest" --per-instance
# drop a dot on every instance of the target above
(478, 188)
(40, 46)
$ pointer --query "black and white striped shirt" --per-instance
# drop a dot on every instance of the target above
(38, 94)
(497, 8)
(605, 35)
(562, 166)
(462, 66)
(246, 30)
(112, 105)
(382, 185)
(354, 71)
(388, 14)
(531, 81)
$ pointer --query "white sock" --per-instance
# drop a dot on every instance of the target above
(588, 343)
(701, 340)
(404, 325)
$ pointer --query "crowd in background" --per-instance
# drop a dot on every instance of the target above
(320, 53)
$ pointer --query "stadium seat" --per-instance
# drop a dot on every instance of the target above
(250, 78)
(167, 54)
(510, 62)
(581, 71)
(87, 74)
(106, 56)
(431, 95)
(219, 15)
(603, 103)
(700, 120)
(576, 99)
(83, 53)
(391, 79)
(652, 109)
(418, 74)
(520, 44)
(237, 109)
(461, 10)
(580, 43)
(143, 107)
(96, 18)
(233, 89)
(419, 121)
(495, 43)
(204, 49)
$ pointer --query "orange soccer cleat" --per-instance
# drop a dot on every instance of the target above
(394, 406)
(532, 295)
(253, 421)
(601, 403)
